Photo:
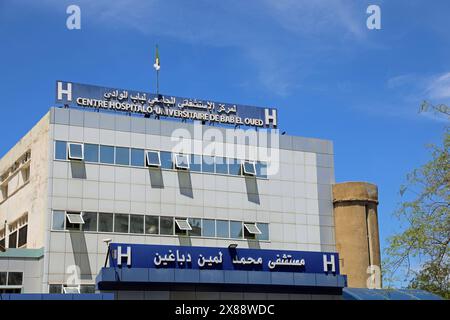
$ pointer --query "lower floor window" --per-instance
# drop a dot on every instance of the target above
(58, 288)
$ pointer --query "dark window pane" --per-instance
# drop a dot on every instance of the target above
(166, 160)
(75, 151)
(196, 162)
(13, 240)
(153, 158)
(196, 225)
(107, 154)
(264, 228)
(208, 164)
(235, 229)
(151, 224)
(90, 221)
(2, 278)
(123, 156)
(261, 169)
(55, 288)
(136, 224)
(2, 244)
(221, 165)
(209, 228)
(15, 278)
(105, 222)
(87, 288)
(121, 223)
(58, 220)
(166, 225)
(249, 168)
(72, 226)
(234, 166)
(23, 236)
(91, 152)
(137, 157)
(223, 228)
(60, 150)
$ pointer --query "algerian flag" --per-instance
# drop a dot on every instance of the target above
(157, 64)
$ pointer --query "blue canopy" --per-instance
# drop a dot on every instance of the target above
(387, 294)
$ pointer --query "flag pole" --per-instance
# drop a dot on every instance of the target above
(157, 82)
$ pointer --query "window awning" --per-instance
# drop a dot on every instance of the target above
(75, 218)
(252, 228)
(183, 224)
(181, 161)
(76, 151)
(153, 158)
(249, 168)
(71, 290)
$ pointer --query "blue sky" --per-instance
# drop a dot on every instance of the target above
(316, 61)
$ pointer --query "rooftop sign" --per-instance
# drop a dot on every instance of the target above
(148, 104)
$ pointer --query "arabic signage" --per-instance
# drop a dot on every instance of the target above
(184, 257)
(148, 104)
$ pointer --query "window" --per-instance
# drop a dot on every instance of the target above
(91, 152)
(90, 221)
(25, 174)
(15, 278)
(208, 164)
(196, 225)
(182, 226)
(264, 228)
(221, 165)
(209, 228)
(234, 166)
(74, 221)
(235, 229)
(60, 150)
(23, 232)
(223, 228)
(76, 151)
(249, 168)
(71, 289)
(87, 288)
(123, 156)
(250, 231)
(261, 169)
(58, 220)
(2, 278)
(55, 288)
(166, 225)
(151, 224)
(181, 161)
(196, 163)
(75, 217)
(137, 157)
(136, 224)
(12, 243)
(121, 223)
(2, 244)
(166, 160)
(105, 222)
(154, 159)
(107, 154)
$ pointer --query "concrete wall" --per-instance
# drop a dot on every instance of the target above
(31, 198)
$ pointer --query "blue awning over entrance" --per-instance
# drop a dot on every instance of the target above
(387, 294)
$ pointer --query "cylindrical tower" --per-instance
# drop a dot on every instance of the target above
(356, 226)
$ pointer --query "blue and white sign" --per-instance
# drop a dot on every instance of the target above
(185, 257)
(102, 98)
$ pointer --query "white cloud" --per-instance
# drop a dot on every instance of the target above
(439, 87)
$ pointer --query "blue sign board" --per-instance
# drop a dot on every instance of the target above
(187, 257)
(157, 105)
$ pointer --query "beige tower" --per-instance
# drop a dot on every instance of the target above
(356, 224)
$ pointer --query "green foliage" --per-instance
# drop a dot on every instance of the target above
(425, 237)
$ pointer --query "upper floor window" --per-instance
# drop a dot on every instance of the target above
(76, 151)
(249, 168)
(181, 161)
(153, 159)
